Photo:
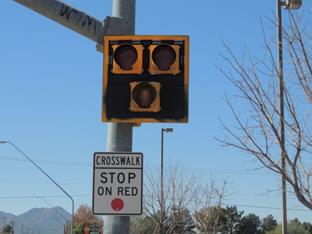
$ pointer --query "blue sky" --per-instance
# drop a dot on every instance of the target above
(50, 101)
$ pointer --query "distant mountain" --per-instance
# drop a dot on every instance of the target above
(37, 221)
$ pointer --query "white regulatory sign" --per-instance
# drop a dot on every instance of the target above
(117, 183)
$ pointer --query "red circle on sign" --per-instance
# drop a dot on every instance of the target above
(117, 204)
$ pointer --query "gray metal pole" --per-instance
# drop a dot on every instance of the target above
(282, 115)
(161, 226)
(120, 134)
(81, 22)
(162, 200)
(125, 9)
(68, 16)
(119, 140)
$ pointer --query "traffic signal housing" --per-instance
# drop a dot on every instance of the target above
(145, 79)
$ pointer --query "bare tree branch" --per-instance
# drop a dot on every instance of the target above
(259, 134)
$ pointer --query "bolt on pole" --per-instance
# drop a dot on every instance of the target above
(119, 137)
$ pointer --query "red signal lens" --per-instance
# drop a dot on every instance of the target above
(164, 57)
(125, 56)
(144, 95)
(117, 204)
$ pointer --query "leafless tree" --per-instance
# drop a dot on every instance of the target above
(258, 129)
(179, 193)
(208, 206)
(182, 192)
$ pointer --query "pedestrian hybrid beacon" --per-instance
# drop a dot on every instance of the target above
(145, 79)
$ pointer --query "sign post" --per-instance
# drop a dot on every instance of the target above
(117, 183)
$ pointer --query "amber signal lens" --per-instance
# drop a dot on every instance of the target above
(164, 57)
(125, 56)
(144, 95)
